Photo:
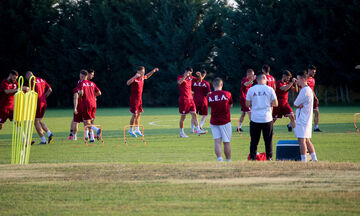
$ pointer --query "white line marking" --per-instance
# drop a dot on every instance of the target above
(155, 123)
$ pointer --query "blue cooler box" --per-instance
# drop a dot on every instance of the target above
(288, 150)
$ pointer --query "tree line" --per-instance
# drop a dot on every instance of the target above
(57, 38)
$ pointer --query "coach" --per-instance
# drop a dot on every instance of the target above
(261, 98)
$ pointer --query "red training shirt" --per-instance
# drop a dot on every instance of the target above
(137, 88)
(244, 89)
(41, 86)
(201, 90)
(220, 102)
(89, 88)
(185, 87)
(76, 90)
(311, 82)
(7, 100)
(281, 95)
(270, 81)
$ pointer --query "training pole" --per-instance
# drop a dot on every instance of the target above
(23, 122)
(356, 128)
(98, 138)
(142, 131)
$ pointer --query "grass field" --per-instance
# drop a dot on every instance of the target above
(174, 176)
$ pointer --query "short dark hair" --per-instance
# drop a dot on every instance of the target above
(216, 82)
(91, 71)
(84, 72)
(303, 74)
(266, 68)
(258, 75)
(140, 68)
(287, 73)
(27, 72)
(311, 67)
(14, 72)
(188, 68)
(249, 71)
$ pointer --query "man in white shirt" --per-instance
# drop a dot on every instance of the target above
(261, 98)
(304, 113)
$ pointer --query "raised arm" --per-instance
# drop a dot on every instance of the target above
(131, 80)
(148, 75)
(295, 87)
(288, 86)
(250, 81)
(10, 91)
(186, 74)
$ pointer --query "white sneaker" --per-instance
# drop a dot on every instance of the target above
(183, 135)
(199, 132)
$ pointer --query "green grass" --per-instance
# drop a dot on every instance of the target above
(174, 176)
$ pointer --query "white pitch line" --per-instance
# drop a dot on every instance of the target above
(155, 123)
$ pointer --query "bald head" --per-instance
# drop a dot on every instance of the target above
(261, 78)
(217, 83)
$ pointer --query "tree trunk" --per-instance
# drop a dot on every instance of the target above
(326, 95)
(337, 94)
(342, 93)
(347, 93)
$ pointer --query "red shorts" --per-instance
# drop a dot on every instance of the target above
(6, 113)
(316, 105)
(186, 106)
(244, 108)
(89, 113)
(77, 117)
(282, 110)
(136, 106)
(40, 110)
(202, 109)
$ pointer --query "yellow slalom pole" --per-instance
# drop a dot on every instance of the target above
(18, 98)
(33, 96)
(23, 122)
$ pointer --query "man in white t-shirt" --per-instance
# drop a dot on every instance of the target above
(304, 113)
(261, 98)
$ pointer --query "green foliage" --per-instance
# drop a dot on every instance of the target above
(57, 38)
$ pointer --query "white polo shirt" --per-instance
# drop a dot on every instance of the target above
(303, 125)
(261, 96)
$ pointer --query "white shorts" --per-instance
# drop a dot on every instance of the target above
(222, 131)
(303, 131)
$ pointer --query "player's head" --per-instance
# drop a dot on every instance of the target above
(302, 78)
(83, 74)
(190, 69)
(217, 83)
(91, 74)
(311, 70)
(250, 74)
(286, 76)
(13, 75)
(28, 74)
(261, 78)
(265, 69)
(140, 70)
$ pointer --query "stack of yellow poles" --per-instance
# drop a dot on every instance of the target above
(23, 122)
